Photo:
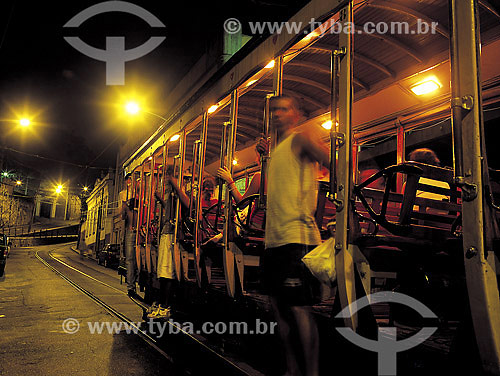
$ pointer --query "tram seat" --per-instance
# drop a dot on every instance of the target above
(410, 221)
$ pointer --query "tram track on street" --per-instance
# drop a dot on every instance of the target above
(52, 261)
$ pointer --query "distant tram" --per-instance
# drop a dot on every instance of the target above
(368, 88)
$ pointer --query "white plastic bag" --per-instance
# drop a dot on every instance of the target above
(321, 262)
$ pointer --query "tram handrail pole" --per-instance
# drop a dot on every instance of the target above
(231, 144)
(264, 158)
(334, 58)
(220, 181)
(456, 108)
(195, 187)
(479, 227)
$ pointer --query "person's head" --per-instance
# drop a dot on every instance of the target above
(208, 187)
(286, 112)
(424, 155)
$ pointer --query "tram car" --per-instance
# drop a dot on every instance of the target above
(429, 79)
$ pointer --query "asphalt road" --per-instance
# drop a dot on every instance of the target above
(34, 304)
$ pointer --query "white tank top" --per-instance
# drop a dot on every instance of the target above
(292, 193)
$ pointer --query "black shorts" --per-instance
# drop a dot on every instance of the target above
(286, 277)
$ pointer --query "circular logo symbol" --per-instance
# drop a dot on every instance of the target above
(70, 326)
(232, 26)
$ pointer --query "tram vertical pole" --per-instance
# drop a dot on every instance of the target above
(344, 258)
(264, 159)
(198, 207)
(220, 181)
(195, 184)
(471, 174)
(232, 255)
(277, 90)
(179, 261)
(150, 201)
(400, 157)
(140, 214)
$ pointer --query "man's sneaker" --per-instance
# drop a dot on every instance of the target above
(152, 308)
(160, 313)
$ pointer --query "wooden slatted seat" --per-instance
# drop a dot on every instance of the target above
(411, 219)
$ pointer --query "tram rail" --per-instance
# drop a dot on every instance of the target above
(201, 344)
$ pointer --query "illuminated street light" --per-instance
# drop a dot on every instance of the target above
(24, 122)
(19, 182)
(59, 189)
(132, 108)
(85, 189)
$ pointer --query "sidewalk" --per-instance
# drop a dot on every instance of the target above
(86, 253)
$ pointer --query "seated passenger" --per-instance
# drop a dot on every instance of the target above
(257, 216)
(427, 156)
(253, 187)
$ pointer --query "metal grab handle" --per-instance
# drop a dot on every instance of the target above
(335, 57)
(220, 181)
(195, 188)
(264, 158)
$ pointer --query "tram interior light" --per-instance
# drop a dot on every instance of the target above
(425, 87)
(213, 108)
(328, 124)
(270, 64)
(250, 83)
(311, 35)
(175, 137)
(235, 162)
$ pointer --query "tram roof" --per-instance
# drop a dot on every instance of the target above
(384, 66)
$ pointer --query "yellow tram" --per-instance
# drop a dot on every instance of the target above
(365, 83)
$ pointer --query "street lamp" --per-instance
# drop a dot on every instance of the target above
(59, 189)
(24, 122)
(132, 108)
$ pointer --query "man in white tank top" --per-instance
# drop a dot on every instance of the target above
(291, 230)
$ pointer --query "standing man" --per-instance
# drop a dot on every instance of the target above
(165, 268)
(291, 229)
(130, 235)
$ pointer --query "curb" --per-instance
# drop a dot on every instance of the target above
(73, 248)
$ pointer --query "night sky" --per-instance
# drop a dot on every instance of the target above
(76, 117)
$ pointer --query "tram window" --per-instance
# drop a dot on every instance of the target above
(240, 185)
